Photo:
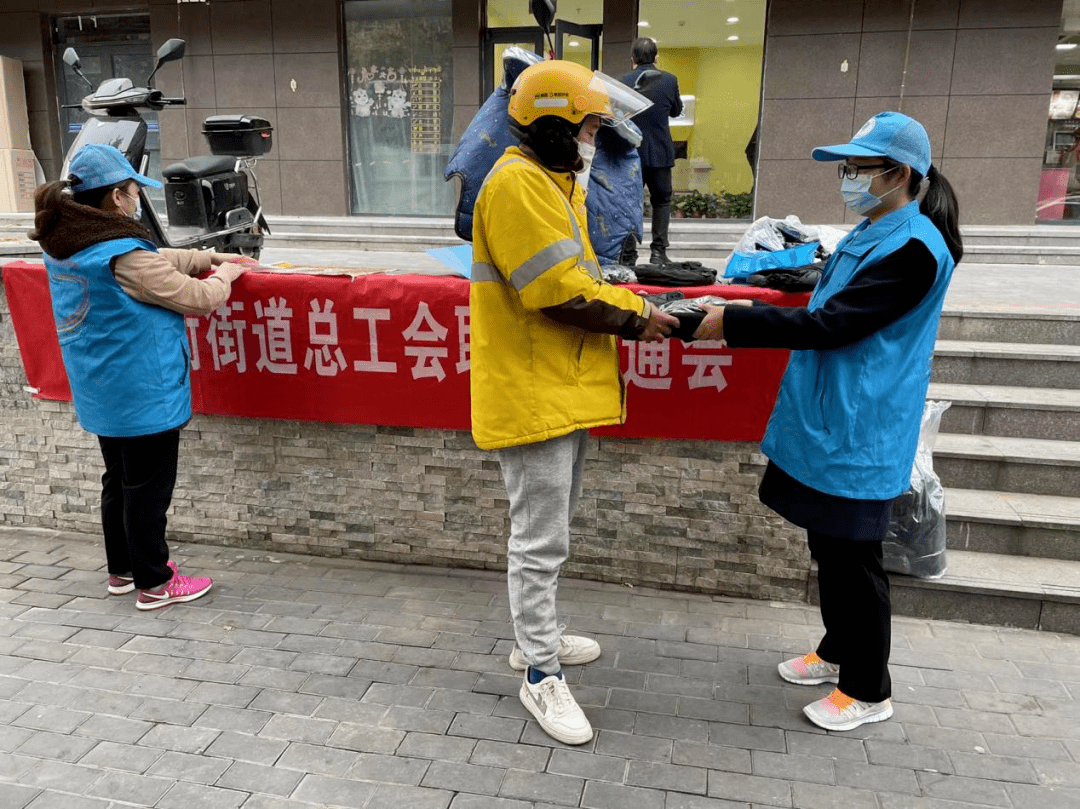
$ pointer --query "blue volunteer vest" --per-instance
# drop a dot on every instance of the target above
(846, 420)
(127, 361)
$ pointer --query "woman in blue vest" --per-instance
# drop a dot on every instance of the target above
(119, 304)
(841, 440)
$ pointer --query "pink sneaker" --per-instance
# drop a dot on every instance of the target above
(178, 589)
(119, 585)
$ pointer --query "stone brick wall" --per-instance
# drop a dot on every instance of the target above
(669, 514)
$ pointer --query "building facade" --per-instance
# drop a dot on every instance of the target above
(368, 97)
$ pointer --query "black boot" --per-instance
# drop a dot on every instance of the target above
(658, 256)
(661, 218)
(628, 254)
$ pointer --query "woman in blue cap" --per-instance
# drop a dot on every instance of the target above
(119, 304)
(841, 440)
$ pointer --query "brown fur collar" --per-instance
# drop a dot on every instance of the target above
(75, 227)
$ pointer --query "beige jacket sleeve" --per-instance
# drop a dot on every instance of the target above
(165, 279)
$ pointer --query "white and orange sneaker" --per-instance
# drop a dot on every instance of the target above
(809, 670)
(838, 711)
(176, 590)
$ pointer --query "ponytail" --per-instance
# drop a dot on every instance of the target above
(49, 198)
(940, 206)
(47, 201)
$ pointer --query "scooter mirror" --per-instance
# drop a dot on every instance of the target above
(172, 50)
(544, 12)
(72, 60)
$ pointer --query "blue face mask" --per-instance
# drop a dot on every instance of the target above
(857, 196)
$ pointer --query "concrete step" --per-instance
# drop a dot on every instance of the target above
(977, 362)
(996, 463)
(1013, 523)
(21, 250)
(995, 589)
(1010, 326)
(378, 242)
(1047, 413)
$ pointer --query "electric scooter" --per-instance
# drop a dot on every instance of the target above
(212, 201)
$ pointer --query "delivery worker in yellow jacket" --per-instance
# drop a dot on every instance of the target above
(545, 361)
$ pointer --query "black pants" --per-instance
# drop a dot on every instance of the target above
(658, 181)
(857, 614)
(136, 490)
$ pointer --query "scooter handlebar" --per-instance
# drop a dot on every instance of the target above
(174, 102)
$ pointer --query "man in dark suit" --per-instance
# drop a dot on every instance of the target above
(656, 150)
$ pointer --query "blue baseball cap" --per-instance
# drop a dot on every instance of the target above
(888, 134)
(97, 165)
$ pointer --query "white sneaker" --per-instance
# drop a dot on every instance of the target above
(838, 711)
(555, 708)
(573, 651)
(809, 670)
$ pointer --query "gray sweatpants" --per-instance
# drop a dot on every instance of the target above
(543, 481)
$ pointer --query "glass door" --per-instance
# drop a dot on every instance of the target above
(578, 43)
(496, 41)
(110, 46)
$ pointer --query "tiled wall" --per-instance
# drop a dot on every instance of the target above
(670, 514)
(979, 78)
(278, 59)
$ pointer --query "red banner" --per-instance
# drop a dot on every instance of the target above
(394, 350)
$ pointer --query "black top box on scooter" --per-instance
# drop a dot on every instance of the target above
(238, 135)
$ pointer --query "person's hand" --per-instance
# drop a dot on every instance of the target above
(712, 326)
(232, 270)
(659, 326)
(217, 259)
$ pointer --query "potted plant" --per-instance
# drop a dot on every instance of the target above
(695, 204)
(714, 206)
(739, 206)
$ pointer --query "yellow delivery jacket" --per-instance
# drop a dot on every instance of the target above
(534, 378)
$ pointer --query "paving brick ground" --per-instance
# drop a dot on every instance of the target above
(305, 682)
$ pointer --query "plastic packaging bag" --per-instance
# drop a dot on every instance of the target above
(915, 540)
(787, 243)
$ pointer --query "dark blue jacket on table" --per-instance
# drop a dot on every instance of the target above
(662, 89)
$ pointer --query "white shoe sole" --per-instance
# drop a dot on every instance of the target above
(122, 589)
(156, 605)
(878, 717)
(518, 662)
(559, 735)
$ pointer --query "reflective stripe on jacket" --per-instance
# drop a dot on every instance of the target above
(127, 362)
(533, 378)
(846, 420)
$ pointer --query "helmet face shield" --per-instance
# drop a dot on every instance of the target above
(625, 102)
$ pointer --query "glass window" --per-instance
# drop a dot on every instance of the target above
(401, 105)
(715, 49)
(1059, 185)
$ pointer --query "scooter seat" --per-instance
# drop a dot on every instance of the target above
(195, 167)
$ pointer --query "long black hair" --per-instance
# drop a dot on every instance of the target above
(939, 205)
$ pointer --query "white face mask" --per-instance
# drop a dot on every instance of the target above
(136, 215)
(587, 152)
(856, 193)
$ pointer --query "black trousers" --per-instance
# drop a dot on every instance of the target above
(658, 181)
(136, 490)
(857, 614)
